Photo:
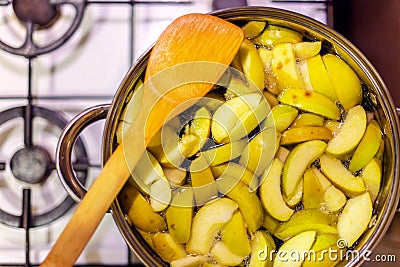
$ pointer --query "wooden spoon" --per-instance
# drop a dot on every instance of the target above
(190, 38)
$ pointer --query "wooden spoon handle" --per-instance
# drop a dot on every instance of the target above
(191, 38)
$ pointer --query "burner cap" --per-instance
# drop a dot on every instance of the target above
(39, 12)
(31, 164)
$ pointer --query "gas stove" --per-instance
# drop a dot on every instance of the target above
(58, 57)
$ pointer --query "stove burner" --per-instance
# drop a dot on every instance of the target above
(39, 12)
(31, 164)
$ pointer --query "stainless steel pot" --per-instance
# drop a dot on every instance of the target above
(384, 207)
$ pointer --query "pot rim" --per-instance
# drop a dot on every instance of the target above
(345, 49)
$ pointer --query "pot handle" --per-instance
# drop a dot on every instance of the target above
(66, 143)
(398, 114)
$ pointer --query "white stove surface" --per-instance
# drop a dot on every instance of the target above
(89, 68)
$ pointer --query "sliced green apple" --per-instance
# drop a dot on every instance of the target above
(167, 248)
(310, 101)
(248, 202)
(312, 191)
(340, 176)
(350, 132)
(334, 199)
(179, 216)
(372, 176)
(201, 124)
(139, 210)
(367, 147)
(175, 176)
(283, 116)
(234, 233)
(308, 119)
(260, 150)
(274, 35)
(319, 78)
(251, 63)
(271, 195)
(160, 194)
(307, 49)
(263, 246)
(270, 223)
(222, 153)
(190, 261)
(284, 66)
(293, 247)
(345, 81)
(282, 153)
(233, 169)
(207, 222)
(202, 182)
(303, 134)
(355, 217)
(224, 256)
(306, 220)
(324, 241)
(299, 159)
(226, 116)
(253, 28)
(323, 181)
(297, 196)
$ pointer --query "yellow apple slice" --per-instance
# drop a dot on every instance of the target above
(340, 176)
(271, 195)
(312, 191)
(307, 49)
(260, 150)
(308, 119)
(310, 101)
(324, 241)
(306, 220)
(355, 217)
(202, 182)
(221, 153)
(253, 28)
(324, 182)
(224, 256)
(249, 204)
(211, 264)
(283, 116)
(350, 132)
(296, 246)
(299, 159)
(334, 199)
(319, 78)
(297, 196)
(285, 68)
(207, 222)
(190, 261)
(233, 169)
(367, 147)
(179, 216)
(251, 63)
(270, 223)
(372, 176)
(274, 35)
(160, 194)
(262, 246)
(139, 210)
(175, 176)
(234, 233)
(345, 81)
(201, 124)
(226, 116)
(167, 248)
(303, 134)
